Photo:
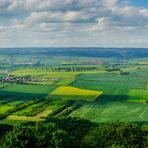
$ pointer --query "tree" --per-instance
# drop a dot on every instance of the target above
(39, 135)
(119, 134)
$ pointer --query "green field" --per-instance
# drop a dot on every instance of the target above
(47, 77)
(2, 75)
(138, 95)
(95, 88)
(5, 108)
(27, 90)
(114, 96)
(69, 92)
(43, 73)
(2, 85)
(102, 96)
(113, 111)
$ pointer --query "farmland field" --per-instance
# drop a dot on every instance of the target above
(75, 93)
(138, 95)
(27, 90)
(109, 93)
(5, 108)
(113, 111)
(43, 73)
(73, 73)
(98, 89)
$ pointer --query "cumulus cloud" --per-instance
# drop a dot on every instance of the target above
(70, 16)
(144, 13)
(73, 19)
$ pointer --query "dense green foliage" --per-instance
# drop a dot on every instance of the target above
(116, 134)
(72, 132)
(5, 128)
(36, 135)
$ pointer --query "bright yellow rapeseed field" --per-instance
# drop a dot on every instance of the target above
(69, 92)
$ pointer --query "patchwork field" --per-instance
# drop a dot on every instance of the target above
(118, 90)
(43, 73)
(5, 108)
(138, 95)
(97, 112)
(69, 92)
(2, 75)
(2, 85)
(96, 96)
(27, 90)
(47, 77)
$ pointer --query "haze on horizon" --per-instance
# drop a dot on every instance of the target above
(71, 23)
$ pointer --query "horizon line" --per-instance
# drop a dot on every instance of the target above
(71, 47)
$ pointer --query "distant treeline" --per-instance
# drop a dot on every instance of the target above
(77, 51)
(75, 68)
(74, 133)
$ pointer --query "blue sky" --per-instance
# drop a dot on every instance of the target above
(71, 23)
(138, 3)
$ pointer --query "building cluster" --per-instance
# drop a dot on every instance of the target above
(14, 80)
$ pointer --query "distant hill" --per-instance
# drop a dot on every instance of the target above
(77, 51)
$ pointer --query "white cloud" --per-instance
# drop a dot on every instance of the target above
(3, 29)
(70, 16)
(109, 3)
(98, 21)
(144, 13)
(15, 6)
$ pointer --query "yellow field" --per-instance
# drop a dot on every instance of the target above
(23, 118)
(75, 93)
(5, 108)
(43, 73)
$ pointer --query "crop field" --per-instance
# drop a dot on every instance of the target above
(50, 108)
(43, 82)
(8, 99)
(65, 81)
(5, 108)
(47, 77)
(2, 75)
(105, 79)
(27, 109)
(2, 85)
(22, 118)
(44, 73)
(27, 90)
(69, 92)
(113, 111)
(17, 102)
(97, 95)
(33, 110)
(119, 93)
(138, 95)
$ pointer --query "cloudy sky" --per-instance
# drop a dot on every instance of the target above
(101, 23)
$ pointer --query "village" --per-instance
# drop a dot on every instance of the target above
(18, 80)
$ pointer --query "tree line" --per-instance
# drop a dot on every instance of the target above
(74, 133)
